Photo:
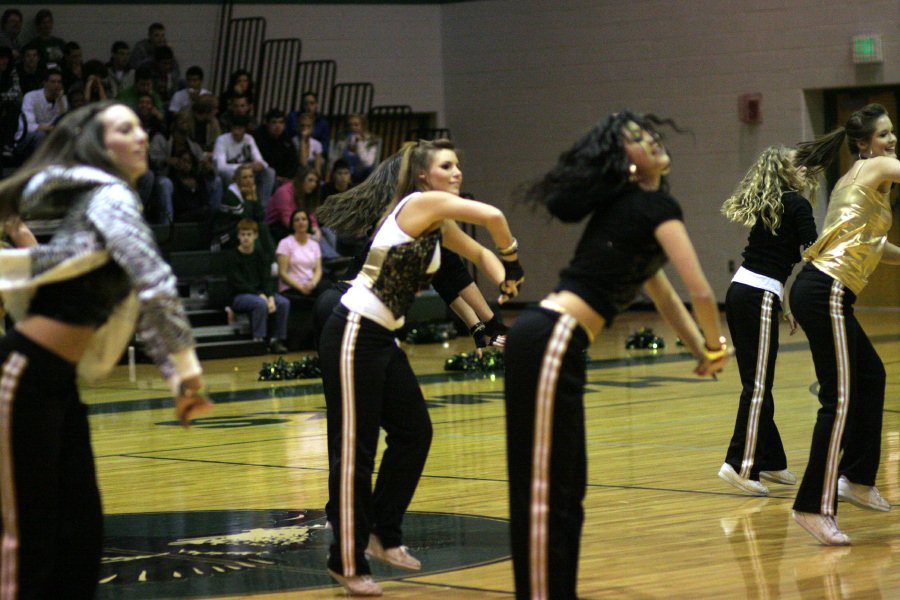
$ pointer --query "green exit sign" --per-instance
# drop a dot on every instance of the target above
(867, 48)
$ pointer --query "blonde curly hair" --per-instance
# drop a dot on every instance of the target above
(758, 195)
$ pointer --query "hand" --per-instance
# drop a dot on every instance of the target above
(792, 322)
(706, 367)
(270, 304)
(514, 277)
(191, 402)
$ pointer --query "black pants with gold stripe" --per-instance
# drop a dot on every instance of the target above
(753, 322)
(52, 523)
(545, 377)
(369, 384)
(851, 391)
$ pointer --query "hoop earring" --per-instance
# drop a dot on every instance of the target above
(632, 172)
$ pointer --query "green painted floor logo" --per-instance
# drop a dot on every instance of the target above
(207, 553)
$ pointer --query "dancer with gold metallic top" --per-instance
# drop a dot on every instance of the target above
(846, 443)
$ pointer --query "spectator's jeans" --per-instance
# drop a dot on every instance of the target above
(258, 309)
(29, 143)
(156, 195)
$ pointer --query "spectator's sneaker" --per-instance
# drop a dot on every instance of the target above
(358, 585)
(277, 347)
(822, 527)
(863, 496)
(748, 486)
(783, 477)
(398, 556)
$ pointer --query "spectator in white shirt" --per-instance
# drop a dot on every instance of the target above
(235, 148)
(41, 109)
(185, 97)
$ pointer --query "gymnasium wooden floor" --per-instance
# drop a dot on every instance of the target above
(204, 512)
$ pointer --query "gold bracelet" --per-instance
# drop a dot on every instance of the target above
(509, 250)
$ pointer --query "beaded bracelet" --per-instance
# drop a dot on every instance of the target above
(509, 250)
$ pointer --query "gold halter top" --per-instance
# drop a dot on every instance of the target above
(853, 237)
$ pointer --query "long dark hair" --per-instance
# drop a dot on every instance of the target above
(819, 154)
(308, 202)
(356, 210)
(592, 168)
(77, 139)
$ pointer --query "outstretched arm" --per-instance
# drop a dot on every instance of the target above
(673, 237)
(504, 273)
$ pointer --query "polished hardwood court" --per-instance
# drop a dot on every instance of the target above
(212, 503)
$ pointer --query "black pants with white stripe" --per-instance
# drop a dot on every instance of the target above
(52, 525)
(851, 391)
(369, 384)
(545, 438)
(756, 445)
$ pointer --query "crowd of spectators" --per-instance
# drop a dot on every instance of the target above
(214, 161)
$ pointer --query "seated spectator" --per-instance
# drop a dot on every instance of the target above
(142, 53)
(72, 63)
(340, 179)
(76, 98)
(240, 83)
(10, 88)
(165, 80)
(120, 74)
(41, 109)
(204, 126)
(95, 76)
(10, 101)
(10, 28)
(197, 190)
(359, 147)
(32, 71)
(52, 48)
(237, 106)
(299, 194)
(147, 114)
(275, 147)
(307, 147)
(300, 262)
(143, 84)
(249, 274)
(240, 202)
(236, 148)
(309, 103)
(183, 98)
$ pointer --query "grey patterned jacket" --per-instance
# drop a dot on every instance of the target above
(102, 221)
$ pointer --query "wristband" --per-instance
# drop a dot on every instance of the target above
(509, 250)
(477, 331)
(514, 271)
(716, 354)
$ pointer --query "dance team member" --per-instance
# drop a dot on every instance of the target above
(452, 282)
(616, 174)
(76, 301)
(367, 377)
(768, 200)
(851, 375)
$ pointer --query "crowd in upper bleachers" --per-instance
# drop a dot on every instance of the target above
(213, 160)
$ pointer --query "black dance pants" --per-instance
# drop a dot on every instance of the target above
(52, 522)
(756, 445)
(545, 377)
(851, 391)
(369, 384)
